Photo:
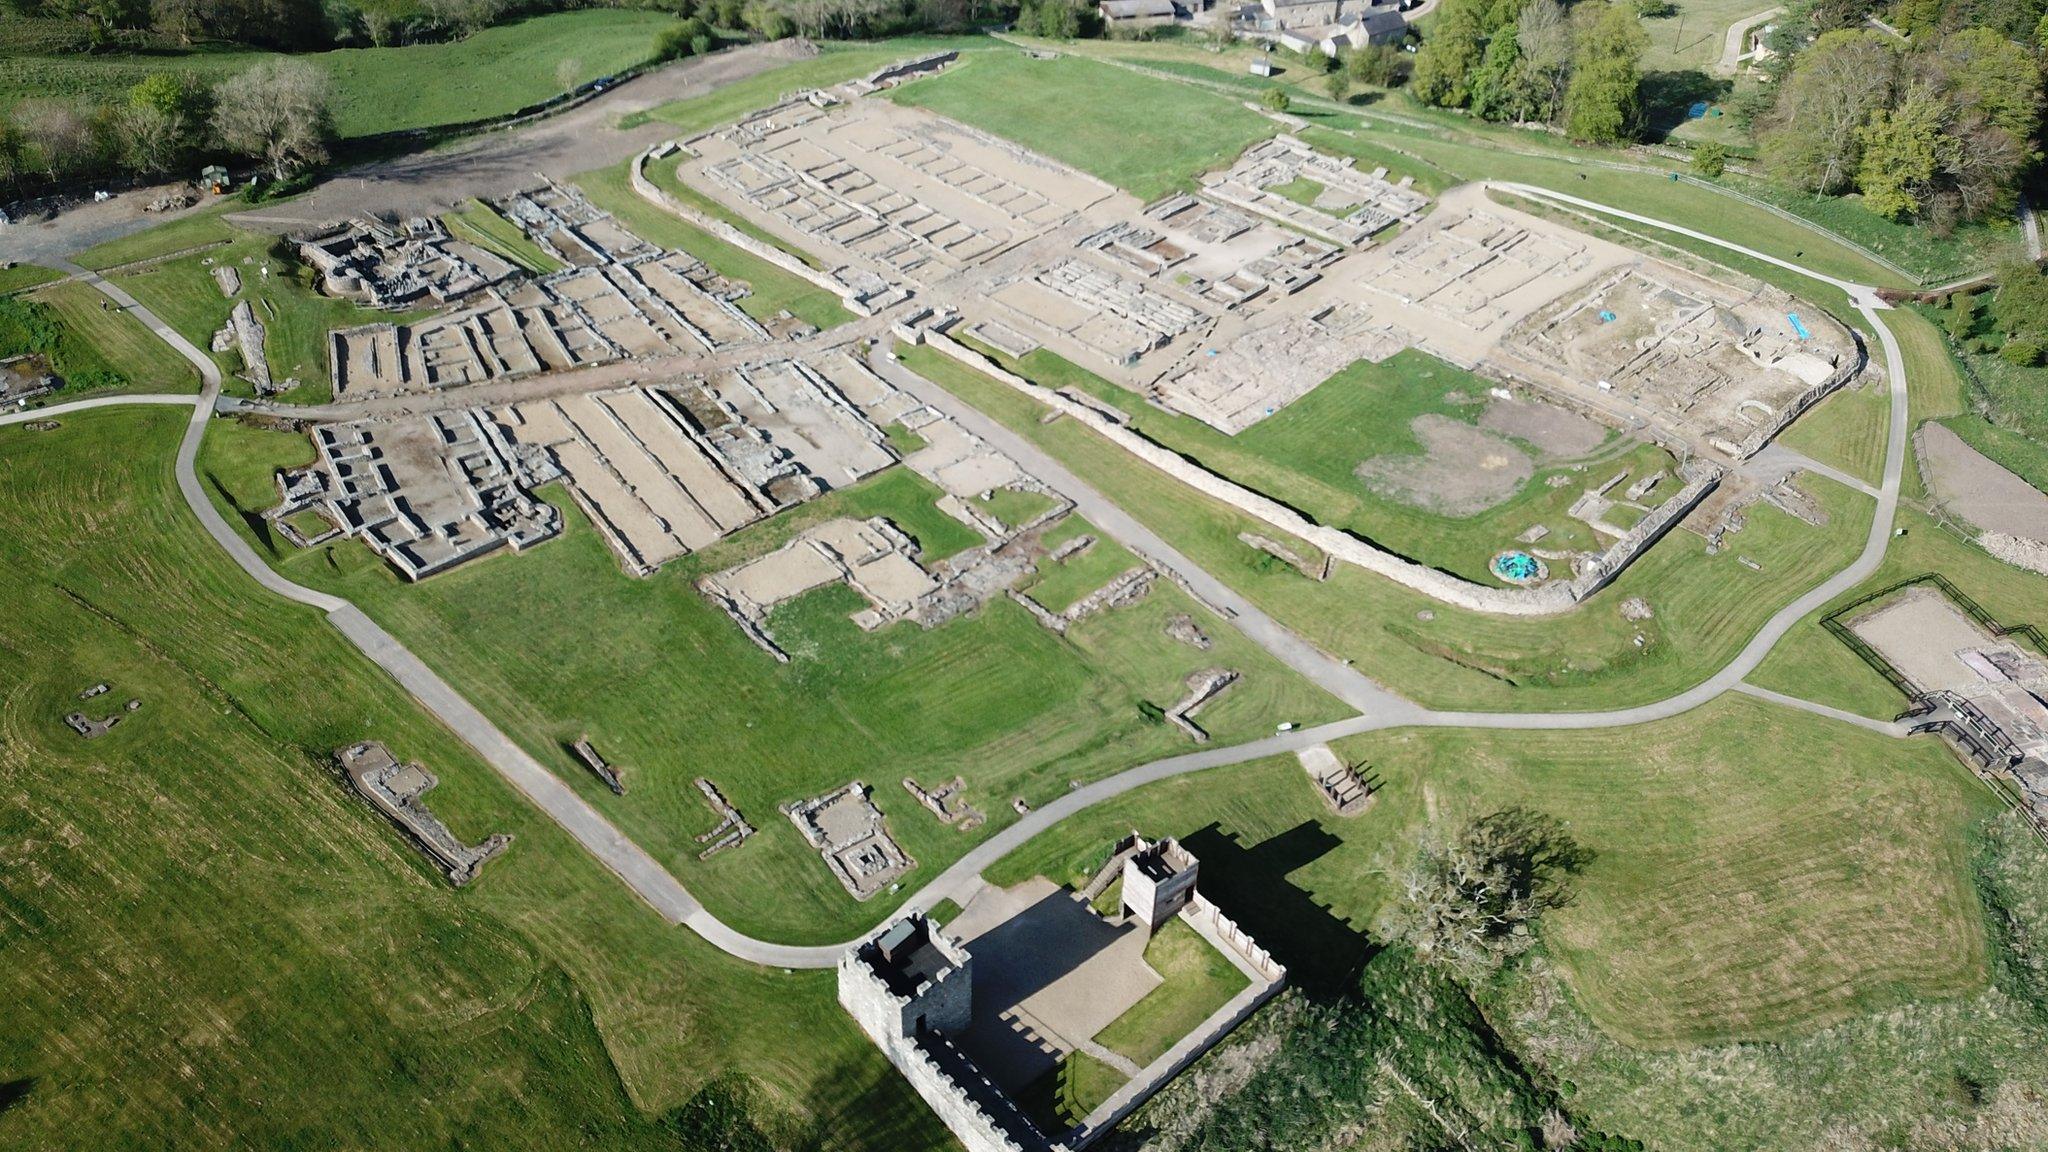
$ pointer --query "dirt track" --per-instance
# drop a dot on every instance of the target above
(423, 183)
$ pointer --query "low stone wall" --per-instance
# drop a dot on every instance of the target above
(735, 237)
(1547, 600)
(1755, 441)
(1268, 978)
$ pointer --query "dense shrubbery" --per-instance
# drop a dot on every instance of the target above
(1406, 1058)
(1532, 60)
(1941, 127)
(31, 328)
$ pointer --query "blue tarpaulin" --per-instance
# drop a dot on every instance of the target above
(1798, 327)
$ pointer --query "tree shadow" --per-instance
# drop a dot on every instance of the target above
(258, 526)
(1668, 98)
(13, 1092)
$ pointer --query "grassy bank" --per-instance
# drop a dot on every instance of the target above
(490, 73)
(100, 348)
(218, 944)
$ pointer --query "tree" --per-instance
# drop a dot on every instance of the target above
(277, 111)
(1472, 902)
(1710, 159)
(160, 122)
(1338, 85)
(14, 153)
(2020, 305)
(1494, 94)
(1813, 136)
(1903, 151)
(682, 39)
(1982, 72)
(1602, 102)
(1543, 39)
(1381, 65)
(2024, 352)
(1450, 55)
(769, 23)
(1275, 100)
(59, 134)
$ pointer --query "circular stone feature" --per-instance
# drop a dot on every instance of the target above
(1517, 567)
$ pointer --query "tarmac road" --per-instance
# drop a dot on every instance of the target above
(1378, 707)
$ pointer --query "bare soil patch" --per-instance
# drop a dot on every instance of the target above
(1558, 433)
(1461, 471)
(1978, 489)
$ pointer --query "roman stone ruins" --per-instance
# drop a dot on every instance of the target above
(425, 493)
(396, 790)
(850, 833)
(1983, 687)
(419, 265)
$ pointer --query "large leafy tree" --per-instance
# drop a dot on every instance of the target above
(1451, 55)
(1904, 150)
(1813, 137)
(1603, 102)
(277, 111)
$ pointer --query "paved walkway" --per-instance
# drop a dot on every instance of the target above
(1775, 461)
(1378, 708)
(1738, 34)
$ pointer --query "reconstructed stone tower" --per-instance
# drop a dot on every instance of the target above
(907, 981)
(912, 990)
(1159, 881)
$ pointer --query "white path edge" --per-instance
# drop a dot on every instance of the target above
(662, 891)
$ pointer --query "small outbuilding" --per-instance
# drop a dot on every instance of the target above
(1136, 13)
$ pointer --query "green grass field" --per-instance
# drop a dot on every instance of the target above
(481, 225)
(1059, 586)
(295, 315)
(774, 290)
(1706, 607)
(1692, 36)
(836, 63)
(676, 690)
(202, 228)
(491, 73)
(1306, 456)
(1069, 1091)
(1847, 430)
(25, 276)
(1146, 136)
(1760, 871)
(1199, 980)
(212, 943)
(99, 336)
